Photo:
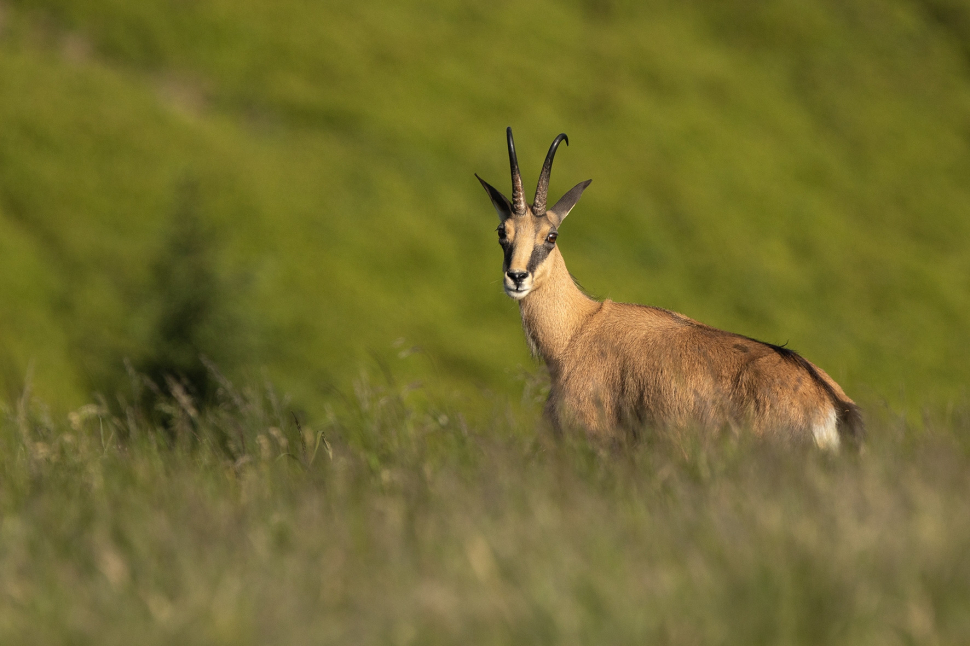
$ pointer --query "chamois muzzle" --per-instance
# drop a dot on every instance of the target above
(517, 276)
(518, 284)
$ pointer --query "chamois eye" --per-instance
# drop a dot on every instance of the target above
(551, 238)
(501, 233)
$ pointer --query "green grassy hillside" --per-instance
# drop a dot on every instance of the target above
(287, 187)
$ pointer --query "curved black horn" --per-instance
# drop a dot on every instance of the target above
(542, 190)
(518, 195)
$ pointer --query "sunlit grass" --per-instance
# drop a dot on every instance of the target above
(393, 522)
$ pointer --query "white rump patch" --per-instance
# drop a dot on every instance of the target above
(826, 433)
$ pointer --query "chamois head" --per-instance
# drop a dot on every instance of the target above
(528, 233)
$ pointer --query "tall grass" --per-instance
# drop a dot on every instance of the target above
(395, 520)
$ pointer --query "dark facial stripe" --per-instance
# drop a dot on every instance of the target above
(539, 254)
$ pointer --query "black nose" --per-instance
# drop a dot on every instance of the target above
(517, 276)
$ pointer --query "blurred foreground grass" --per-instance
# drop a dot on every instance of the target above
(394, 521)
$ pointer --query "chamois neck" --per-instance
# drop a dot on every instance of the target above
(554, 311)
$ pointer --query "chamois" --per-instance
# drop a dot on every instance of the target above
(619, 367)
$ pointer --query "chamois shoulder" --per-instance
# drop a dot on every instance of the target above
(635, 315)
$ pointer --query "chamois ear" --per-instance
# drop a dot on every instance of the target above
(501, 203)
(566, 203)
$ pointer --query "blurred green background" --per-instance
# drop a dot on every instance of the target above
(287, 187)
